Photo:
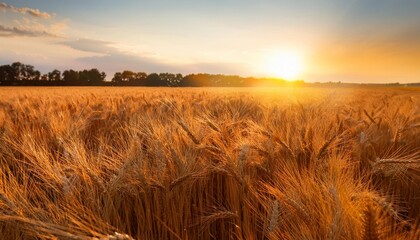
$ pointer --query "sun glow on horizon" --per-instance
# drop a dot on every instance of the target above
(286, 65)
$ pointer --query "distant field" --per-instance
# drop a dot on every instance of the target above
(209, 163)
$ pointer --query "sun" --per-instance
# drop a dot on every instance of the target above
(285, 65)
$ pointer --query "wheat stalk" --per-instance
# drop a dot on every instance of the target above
(189, 133)
(274, 217)
(242, 158)
(370, 225)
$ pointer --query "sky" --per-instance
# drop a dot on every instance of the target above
(318, 41)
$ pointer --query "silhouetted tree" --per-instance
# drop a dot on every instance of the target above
(70, 76)
(177, 80)
(36, 75)
(29, 73)
(21, 74)
(128, 76)
(171, 79)
(55, 75)
(192, 80)
(118, 78)
(6, 74)
(84, 76)
(95, 77)
(154, 79)
(140, 78)
(18, 70)
(44, 77)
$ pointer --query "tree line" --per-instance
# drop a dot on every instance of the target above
(19, 74)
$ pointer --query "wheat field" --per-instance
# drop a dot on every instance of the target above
(209, 163)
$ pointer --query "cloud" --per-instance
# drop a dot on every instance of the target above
(3, 7)
(90, 45)
(29, 27)
(31, 11)
(23, 32)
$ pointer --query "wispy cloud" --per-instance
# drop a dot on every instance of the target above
(91, 45)
(36, 26)
(31, 11)
(23, 32)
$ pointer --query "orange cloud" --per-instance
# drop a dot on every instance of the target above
(23, 32)
(31, 11)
